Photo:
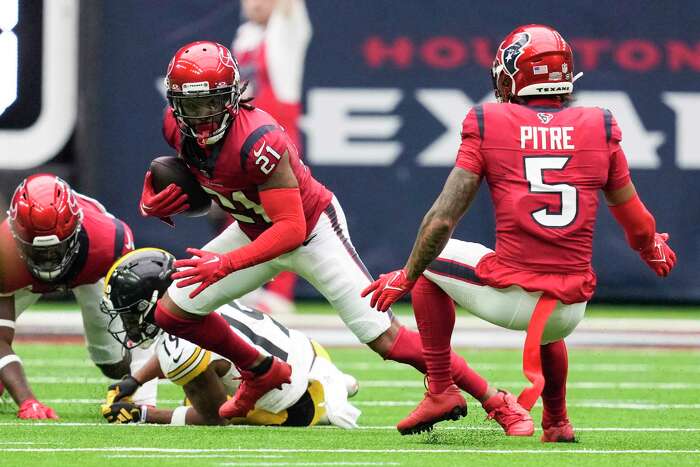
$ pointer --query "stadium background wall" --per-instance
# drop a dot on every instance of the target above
(387, 84)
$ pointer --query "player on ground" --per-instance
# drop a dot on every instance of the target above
(544, 163)
(57, 239)
(286, 220)
(318, 392)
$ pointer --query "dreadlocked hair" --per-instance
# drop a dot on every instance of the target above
(246, 103)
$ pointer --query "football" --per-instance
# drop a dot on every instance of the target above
(169, 169)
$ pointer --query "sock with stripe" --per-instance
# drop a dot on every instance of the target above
(211, 333)
(555, 366)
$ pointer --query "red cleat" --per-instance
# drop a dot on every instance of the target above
(254, 387)
(504, 408)
(434, 408)
(559, 432)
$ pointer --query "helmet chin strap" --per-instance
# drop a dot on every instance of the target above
(207, 136)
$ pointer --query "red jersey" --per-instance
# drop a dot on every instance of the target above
(232, 169)
(103, 239)
(544, 167)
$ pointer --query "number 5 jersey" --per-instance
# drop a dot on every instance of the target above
(544, 165)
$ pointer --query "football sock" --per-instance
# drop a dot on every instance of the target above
(435, 316)
(212, 333)
(555, 367)
(408, 348)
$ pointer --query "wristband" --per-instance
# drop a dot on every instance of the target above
(7, 359)
(179, 416)
(7, 323)
(144, 414)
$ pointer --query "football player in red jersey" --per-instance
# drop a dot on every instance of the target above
(286, 220)
(544, 163)
(56, 239)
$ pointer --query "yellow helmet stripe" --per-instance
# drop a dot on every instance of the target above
(116, 264)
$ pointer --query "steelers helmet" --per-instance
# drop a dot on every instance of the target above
(133, 285)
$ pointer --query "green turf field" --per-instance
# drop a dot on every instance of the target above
(630, 408)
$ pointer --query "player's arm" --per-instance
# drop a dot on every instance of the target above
(631, 213)
(205, 392)
(281, 199)
(11, 373)
(442, 218)
(440, 221)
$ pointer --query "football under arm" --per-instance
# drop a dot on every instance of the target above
(281, 199)
(442, 218)
(629, 211)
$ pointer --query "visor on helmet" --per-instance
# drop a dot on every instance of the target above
(47, 257)
(132, 325)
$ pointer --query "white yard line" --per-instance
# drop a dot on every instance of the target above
(592, 404)
(353, 451)
(328, 427)
(570, 385)
(670, 386)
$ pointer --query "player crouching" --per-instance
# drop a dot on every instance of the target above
(318, 391)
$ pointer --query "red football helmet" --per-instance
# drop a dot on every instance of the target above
(533, 60)
(203, 88)
(45, 220)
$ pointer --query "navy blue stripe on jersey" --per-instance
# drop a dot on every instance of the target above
(449, 268)
(607, 117)
(479, 112)
(333, 217)
(271, 348)
(118, 238)
(250, 141)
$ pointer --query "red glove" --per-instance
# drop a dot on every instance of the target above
(388, 289)
(32, 409)
(204, 267)
(166, 203)
(658, 255)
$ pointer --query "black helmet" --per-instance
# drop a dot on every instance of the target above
(133, 285)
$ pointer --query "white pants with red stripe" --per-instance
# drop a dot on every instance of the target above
(510, 308)
(327, 259)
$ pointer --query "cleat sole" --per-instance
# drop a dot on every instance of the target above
(456, 413)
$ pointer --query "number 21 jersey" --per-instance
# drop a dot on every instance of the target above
(544, 165)
(231, 170)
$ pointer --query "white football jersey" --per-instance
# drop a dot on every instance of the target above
(181, 361)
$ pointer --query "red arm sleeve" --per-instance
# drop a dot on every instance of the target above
(469, 154)
(288, 230)
(637, 221)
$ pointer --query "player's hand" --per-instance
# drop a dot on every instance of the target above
(388, 289)
(164, 204)
(122, 390)
(32, 409)
(204, 268)
(659, 256)
(122, 412)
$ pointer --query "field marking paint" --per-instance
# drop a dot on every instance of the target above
(668, 386)
(593, 404)
(575, 385)
(353, 451)
(328, 427)
(587, 405)
(195, 456)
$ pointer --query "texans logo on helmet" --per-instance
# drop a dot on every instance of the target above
(510, 54)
